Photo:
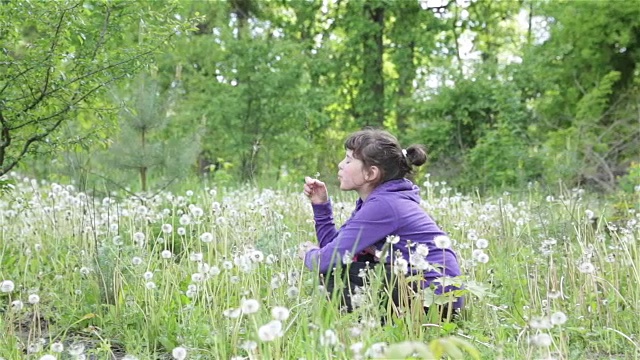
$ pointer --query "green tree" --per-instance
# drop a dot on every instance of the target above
(58, 58)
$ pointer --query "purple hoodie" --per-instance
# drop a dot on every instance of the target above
(392, 208)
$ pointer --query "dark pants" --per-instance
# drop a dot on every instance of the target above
(358, 274)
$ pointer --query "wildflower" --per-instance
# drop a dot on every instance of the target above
(328, 338)
(17, 305)
(558, 318)
(48, 357)
(167, 228)
(166, 254)
(270, 331)
(117, 240)
(148, 275)
(483, 258)
(196, 212)
(586, 268)
(271, 259)
(130, 357)
(249, 346)
(206, 237)
(250, 306)
(231, 313)
(401, 266)
(280, 313)
(136, 260)
(185, 220)
(422, 250)
(197, 277)
(393, 239)
(356, 348)
(227, 265)
(442, 242)
(214, 271)
(256, 256)
(347, 258)
(34, 299)
(590, 215)
(293, 292)
(76, 349)
(7, 286)
(541, 340)
(482, 243)
(376, 350)
(181, 231)
(196, 257)
(189, 193)
(179, 353)
(150, 285)
(138, 238)
(57, 347)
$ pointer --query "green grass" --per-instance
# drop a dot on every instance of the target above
(103, 290)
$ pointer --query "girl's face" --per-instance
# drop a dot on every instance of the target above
(351, 173)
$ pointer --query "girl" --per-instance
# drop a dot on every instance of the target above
(387, 215)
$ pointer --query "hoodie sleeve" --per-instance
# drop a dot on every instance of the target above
(375, 220)
(325, 227)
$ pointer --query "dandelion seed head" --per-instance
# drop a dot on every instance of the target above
(166, 254)
(7, 286)
(293, 292)
(393, 239)
(17, 305)
(270, 331)
(442, 242)
(148, 275)
(34, 299)
(181, 231)
(76, 349)
(48, 357)
(206, 237)
(482, 243)
(586, 268)
(57, 347)
(232, 313)
(196, 256)
(541, 340)
(280, 313)
(250, 306)
(422, 250)
(136, 260)
(483, 258)
(558, 318)
(150, 285)
(179, 353)
(328, 338)
(167, 228)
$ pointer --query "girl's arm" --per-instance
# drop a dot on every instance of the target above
(370, 225)
(325, 227)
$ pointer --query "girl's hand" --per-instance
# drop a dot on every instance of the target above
(315, 190)
(304, 248)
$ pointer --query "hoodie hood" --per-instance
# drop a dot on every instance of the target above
(400, 188)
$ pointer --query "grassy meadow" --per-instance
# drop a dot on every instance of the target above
(213, 273)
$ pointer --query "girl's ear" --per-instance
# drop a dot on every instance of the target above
(372, 174)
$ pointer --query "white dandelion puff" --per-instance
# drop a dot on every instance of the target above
(270, 331)
(48, 357)
(17, 305)
(150, 285)
(206, 237)
(34, 299)
(232, 313)
(167, 228)
(483, 258)
(250, 306)
(482, 243)
(558, 318)
(393, 239)
(179, 353)
(280, 313)
(586, 268)
(57, 347)
(166, 254)
(7, 286)
(148, 275)
(136, 260)
(196, 257)
(442, 242)
(329, 338)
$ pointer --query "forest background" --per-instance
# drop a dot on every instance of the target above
(151, 94)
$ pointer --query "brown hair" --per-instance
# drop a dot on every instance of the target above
(379, 148)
